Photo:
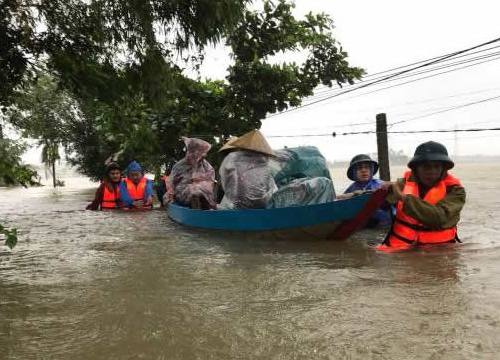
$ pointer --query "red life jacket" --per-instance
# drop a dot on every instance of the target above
(407, 231)
(137, 191)
(111, 198)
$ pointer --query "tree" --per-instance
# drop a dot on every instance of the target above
(13, 172)
(135, 100)
(255, 86)
(43, 112)
(80, 38)
(258, 86)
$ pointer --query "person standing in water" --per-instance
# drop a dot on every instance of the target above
(136, 191)
(428, 201)
(107, 196)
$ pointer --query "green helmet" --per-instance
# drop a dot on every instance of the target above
(361, 158)
(431, 151)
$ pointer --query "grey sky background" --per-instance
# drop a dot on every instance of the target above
(380, 35)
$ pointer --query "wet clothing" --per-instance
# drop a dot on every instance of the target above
(247, 180)
(193, 178)
(130, 192)
(372, 184)
(111, 197)
(382, 216)
(445, 214)
(133, 166)
(107, 196)
(426, 216)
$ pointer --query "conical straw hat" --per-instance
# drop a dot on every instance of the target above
(253, 141)
(228, 144)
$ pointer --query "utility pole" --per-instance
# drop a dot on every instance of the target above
(455, 145)
(383, 147)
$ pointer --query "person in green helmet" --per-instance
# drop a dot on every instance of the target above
(428, 201)
(361, 171)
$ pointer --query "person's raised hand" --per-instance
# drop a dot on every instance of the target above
(398, 193)
(386, 185)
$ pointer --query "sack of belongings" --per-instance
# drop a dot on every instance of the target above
(305, 191)
(297, 163)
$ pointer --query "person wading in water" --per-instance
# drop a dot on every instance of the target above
(107, 196)
(428, 201)
(136, 191)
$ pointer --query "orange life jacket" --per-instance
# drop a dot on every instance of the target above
(137, 191)
(111, 199)
(407, 231)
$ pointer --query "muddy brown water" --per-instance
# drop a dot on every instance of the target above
(102, 285)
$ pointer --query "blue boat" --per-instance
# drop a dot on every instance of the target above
(333, 220)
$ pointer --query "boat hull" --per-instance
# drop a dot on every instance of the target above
(336, 219)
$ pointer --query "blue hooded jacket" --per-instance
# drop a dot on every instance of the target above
(124, 195)
(380, 216)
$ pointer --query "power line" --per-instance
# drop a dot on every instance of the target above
(334, 134)
(381, 109)
(489, 57)
(389, 87)
(425, 77)
(415, 63)
(446, 110)
(424, 131)
(329, 90)
(426, 64)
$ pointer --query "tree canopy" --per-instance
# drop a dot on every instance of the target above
(120, 61)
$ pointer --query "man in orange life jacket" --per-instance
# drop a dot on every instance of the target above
(136, 191)
(428, 201)
(107, 196)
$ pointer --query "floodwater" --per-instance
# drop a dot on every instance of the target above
(102, 285)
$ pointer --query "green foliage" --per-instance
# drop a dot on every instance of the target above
(16, 36)
(119, 60)
(258, 86)
(43, 112)
(80, 38)
(12, 171)
(10, 236)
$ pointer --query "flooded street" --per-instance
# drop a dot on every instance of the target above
(110, 285)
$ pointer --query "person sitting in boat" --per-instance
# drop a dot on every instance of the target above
(193, 178)
(136, 191)
(245, 175)
(361, 171)
(428, 201)
(107, 196)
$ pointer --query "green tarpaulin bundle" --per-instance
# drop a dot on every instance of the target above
(299, 162)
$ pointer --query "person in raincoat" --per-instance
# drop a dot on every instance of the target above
(361, 171)
(193, 178)
(245, 173)
(107, 196)
(136, 191)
